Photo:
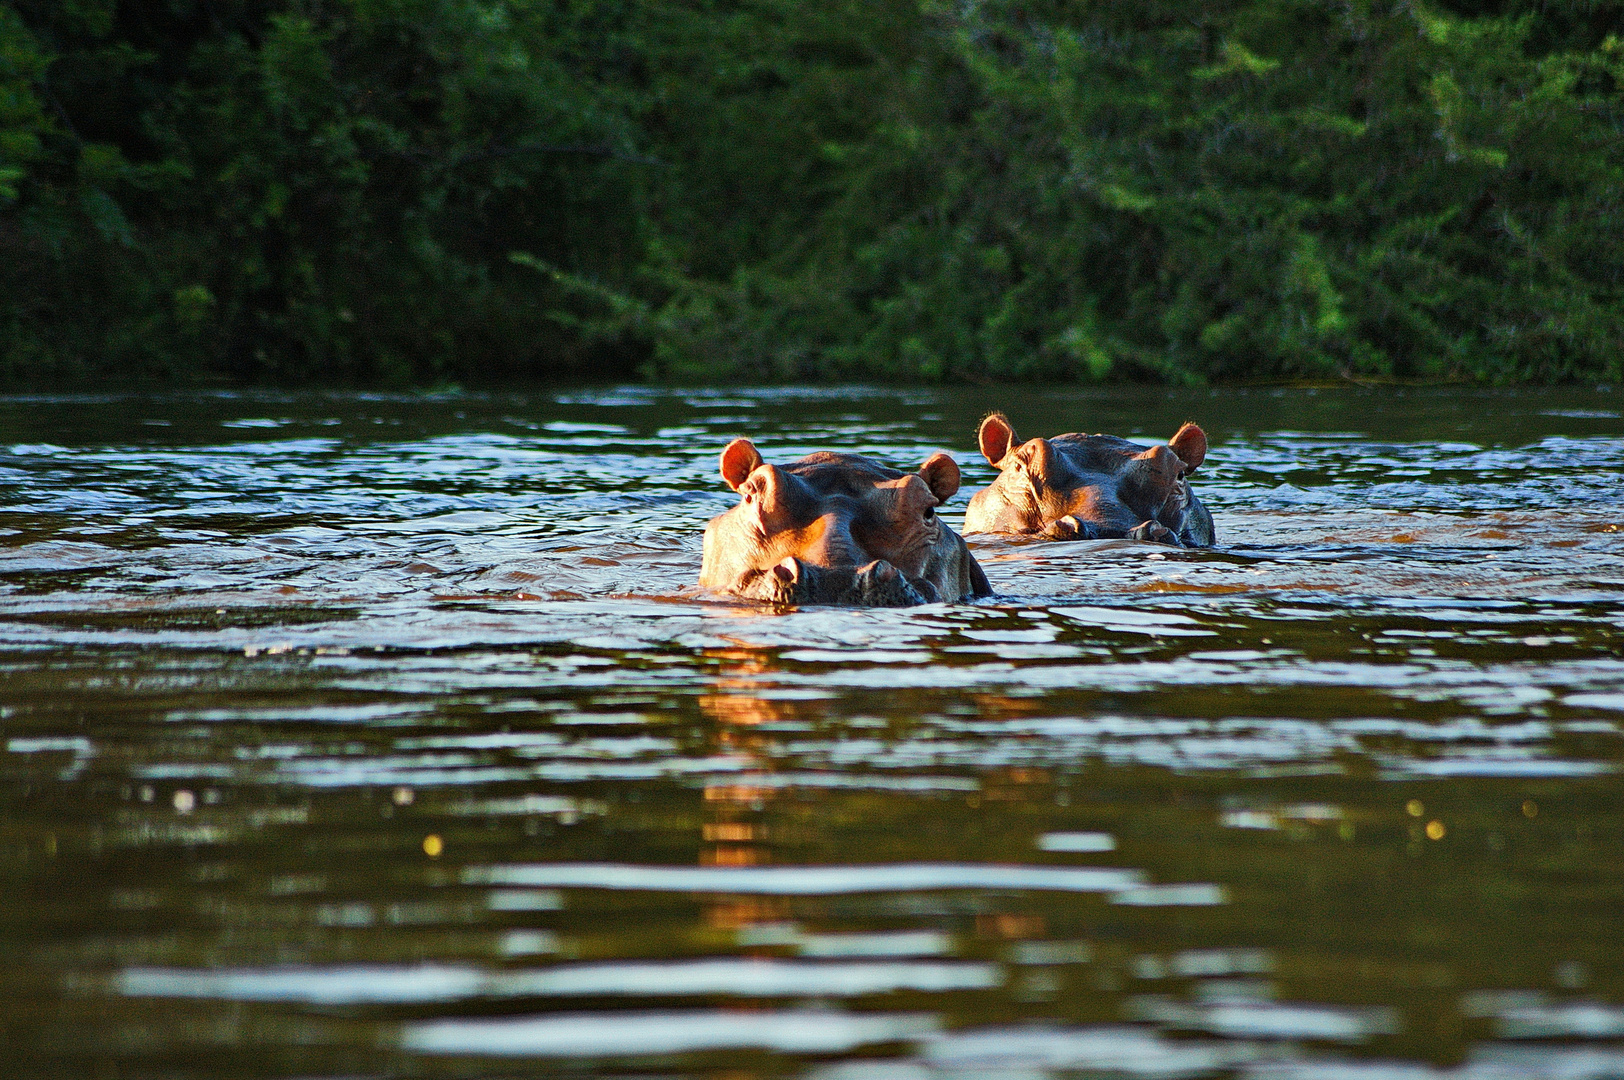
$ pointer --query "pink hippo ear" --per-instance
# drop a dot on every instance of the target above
(941, 475)
(739, 460)
(995, 437)
(1190, 444)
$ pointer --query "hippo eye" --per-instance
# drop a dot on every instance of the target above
(930, 512)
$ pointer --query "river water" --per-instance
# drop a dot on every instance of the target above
(367, 735)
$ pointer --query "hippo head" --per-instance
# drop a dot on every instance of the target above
(838, 529)
(1085, 487)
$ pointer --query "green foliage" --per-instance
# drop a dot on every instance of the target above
(1234, 191)
(262, 189)
(415, 190)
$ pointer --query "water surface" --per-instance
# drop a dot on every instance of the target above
(367, 735)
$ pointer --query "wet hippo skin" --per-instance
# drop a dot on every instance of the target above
(838, 529)
(1089, 487)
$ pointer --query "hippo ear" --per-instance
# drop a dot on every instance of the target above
(739, 460)
(996, 436)
(941, 475)
(1190, 444)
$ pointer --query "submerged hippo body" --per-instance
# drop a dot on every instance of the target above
(1089, 487)
(838, 529)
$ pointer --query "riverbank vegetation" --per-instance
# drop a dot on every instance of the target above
(411, 191)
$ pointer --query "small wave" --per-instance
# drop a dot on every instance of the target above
(621, 1034)
(807, 880)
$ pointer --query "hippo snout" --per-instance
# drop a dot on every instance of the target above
(879, 584)
(794, 581)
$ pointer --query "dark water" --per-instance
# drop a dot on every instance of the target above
(386, 736)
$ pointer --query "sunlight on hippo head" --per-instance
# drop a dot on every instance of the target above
(835, 528)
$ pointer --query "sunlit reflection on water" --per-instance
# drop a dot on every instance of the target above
(372, 735)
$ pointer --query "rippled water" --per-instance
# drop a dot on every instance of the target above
(374, 736)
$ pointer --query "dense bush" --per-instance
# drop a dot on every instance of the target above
(296, 190)
(417, 190)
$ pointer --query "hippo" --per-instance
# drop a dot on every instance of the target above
(838, 529)
(1090, 487)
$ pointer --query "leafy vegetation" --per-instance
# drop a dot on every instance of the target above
(408, 191)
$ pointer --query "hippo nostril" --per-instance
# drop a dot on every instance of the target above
(788, 571)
